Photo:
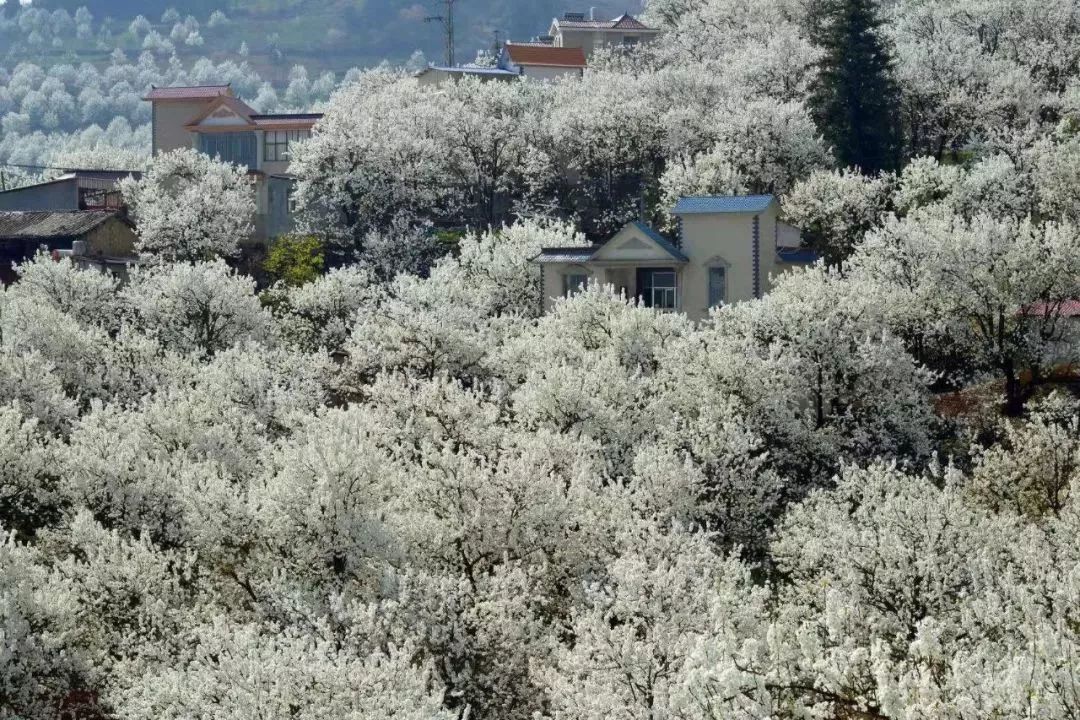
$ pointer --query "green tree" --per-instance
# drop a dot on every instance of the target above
(295, 259)
(855, 99)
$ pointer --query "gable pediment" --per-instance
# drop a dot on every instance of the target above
(632, 244)
(223, 112)
(223, 116)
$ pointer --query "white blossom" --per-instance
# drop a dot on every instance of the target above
(175, 222)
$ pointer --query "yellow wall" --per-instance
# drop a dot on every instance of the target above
(553, 280)
(113, 238)
(583, 39)
(592, 40)
(169, 121)
(708, 240)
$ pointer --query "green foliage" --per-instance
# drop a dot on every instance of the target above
(296, 259)
(450, 239)
(855, 99)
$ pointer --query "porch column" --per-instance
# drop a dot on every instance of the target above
(621, 279)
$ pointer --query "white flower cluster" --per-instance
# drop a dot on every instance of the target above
(417, 498)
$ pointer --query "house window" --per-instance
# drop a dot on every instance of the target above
(657, 288)
(717, 286)
(276, 143)
(291, 192)
(630, 40)
(239, 148)
(575, 283)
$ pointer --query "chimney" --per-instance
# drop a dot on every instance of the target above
(592, 13)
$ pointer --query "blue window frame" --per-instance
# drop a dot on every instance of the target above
(276, 143)
(240, 148)
(658, 288)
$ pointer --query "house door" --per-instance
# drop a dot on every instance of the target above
(657, 288)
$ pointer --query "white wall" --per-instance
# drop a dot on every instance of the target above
(540, 72)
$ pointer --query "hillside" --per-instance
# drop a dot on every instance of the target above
(321, 34)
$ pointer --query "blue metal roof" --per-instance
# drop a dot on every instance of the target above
(584, 254)
(661, 241)
(722, 204)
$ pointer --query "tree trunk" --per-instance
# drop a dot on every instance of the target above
(1014, 391)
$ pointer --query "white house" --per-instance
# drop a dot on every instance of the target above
(586, 32)
(727, 249)
(211, 119)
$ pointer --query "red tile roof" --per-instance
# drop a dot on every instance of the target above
(629, 22)
(1068, 308)
(197, 92)
(546, 56)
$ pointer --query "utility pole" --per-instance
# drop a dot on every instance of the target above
(447, 20)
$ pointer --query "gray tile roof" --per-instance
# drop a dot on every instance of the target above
(623, 22)
(722, 204)
(566, 254)
(51, 225)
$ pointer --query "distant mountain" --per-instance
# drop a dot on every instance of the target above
(339, 34)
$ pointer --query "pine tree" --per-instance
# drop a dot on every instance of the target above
(855, 100)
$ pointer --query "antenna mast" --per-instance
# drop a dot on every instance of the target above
(447, 20)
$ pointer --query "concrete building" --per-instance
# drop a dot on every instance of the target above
(73, 190)
(213, 120)
(578, 30)
(726, 251)
(92, 238)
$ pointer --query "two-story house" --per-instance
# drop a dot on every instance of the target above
(211, 119)
(728, 249)
(583, 31)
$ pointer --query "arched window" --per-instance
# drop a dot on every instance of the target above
(718, 270)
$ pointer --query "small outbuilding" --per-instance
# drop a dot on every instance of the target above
(74, 190)
(92, 238)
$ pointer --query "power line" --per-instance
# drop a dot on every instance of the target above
(64, 169)
(3, 178)
(32, 167)
(447, 20)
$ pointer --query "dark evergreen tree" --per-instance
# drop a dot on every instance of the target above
(855, 99)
